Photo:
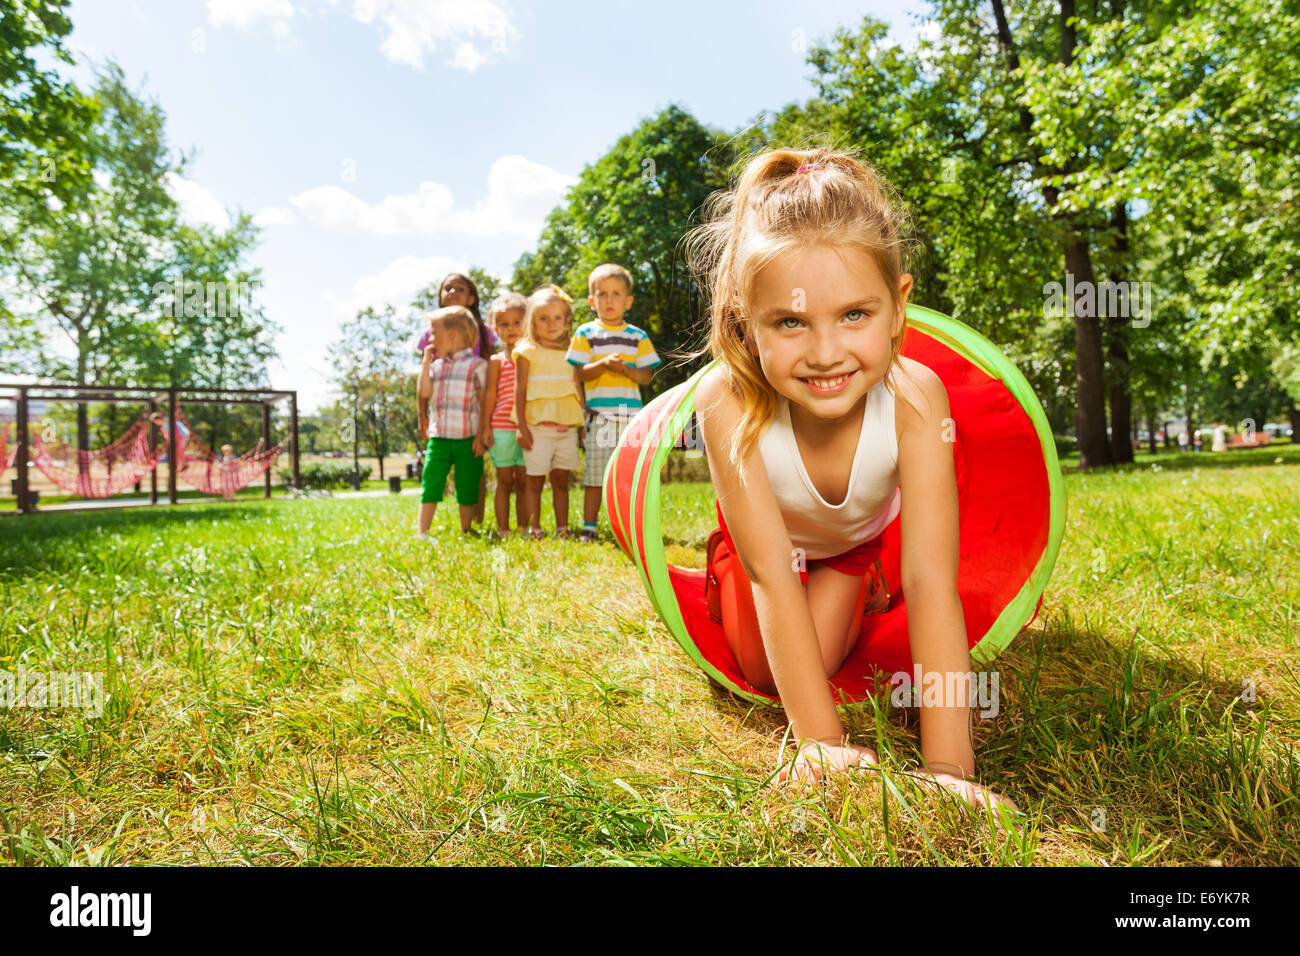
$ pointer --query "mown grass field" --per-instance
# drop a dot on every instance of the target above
(303, 682)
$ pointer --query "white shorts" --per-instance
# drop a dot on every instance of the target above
(554, 447)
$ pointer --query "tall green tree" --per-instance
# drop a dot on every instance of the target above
(44, 119)
(372, 372)
(92, 261)
(633, 206)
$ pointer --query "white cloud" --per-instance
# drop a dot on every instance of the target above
(468, 33)
(199, 205)
(476, 31)
(395, 284)
(520, 194)
(467, 58)
(414, 214)
(273, 216)
(245, 13)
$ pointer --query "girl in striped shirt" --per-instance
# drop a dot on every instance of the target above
(497, 432)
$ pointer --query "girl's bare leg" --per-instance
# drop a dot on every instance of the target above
(505, 487)
(560, 497)
(535, 483)
(426, 516)
(833, 600)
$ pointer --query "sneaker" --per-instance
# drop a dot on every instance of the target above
(588, 536)
(563, 533)
(422, 537)
(537, 534)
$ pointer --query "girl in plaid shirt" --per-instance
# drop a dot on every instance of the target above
(450, 399)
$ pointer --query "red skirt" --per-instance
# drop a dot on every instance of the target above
(729, 596)
(857, 561)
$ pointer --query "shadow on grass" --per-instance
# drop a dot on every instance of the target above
(1138, 751)
(1131, 755)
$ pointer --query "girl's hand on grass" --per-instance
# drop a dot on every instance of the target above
(816, 761)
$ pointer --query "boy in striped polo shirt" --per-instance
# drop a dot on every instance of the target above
(613, 359)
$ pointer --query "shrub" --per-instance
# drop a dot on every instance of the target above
(325, 474)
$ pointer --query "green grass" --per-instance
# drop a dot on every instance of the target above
(302, 682)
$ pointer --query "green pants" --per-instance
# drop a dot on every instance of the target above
(442, 456)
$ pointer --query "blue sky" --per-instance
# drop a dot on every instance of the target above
(382, 143)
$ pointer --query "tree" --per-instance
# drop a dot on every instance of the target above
(371, 359)
(633, 206)
(43, 119)
(93, 264)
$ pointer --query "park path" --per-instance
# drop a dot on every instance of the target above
(143, 500)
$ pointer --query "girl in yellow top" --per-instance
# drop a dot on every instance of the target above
(548, 406)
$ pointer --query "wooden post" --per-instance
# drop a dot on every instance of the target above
(266, 443)
(172, 450)
(24, 496)
(153, 447)
(293, 427)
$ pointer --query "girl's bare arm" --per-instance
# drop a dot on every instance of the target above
(936, 626)
(765, 551)
(489, 399)
(423, 389)
(521, 403)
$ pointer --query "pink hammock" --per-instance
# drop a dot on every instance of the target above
(103, 472)
(7, 455)
(199, 466)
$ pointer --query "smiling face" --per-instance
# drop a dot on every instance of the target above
(551, 324)
(509, 325)
(610, 300)
(822, 325)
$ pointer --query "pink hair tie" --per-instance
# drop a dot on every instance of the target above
(808, 166)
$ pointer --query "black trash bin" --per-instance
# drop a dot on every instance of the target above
(395, 484)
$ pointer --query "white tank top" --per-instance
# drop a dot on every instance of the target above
(819, 528)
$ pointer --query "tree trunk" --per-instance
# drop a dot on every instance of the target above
(1121, 397)
(1090, 420)
(1151, 431)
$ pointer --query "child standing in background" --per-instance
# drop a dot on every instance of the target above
(499, 425)
(613, 359)
(449, 399)
(547, 405)
(229, 472)
(457, 288)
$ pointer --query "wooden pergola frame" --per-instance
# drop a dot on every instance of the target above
(265, 397)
